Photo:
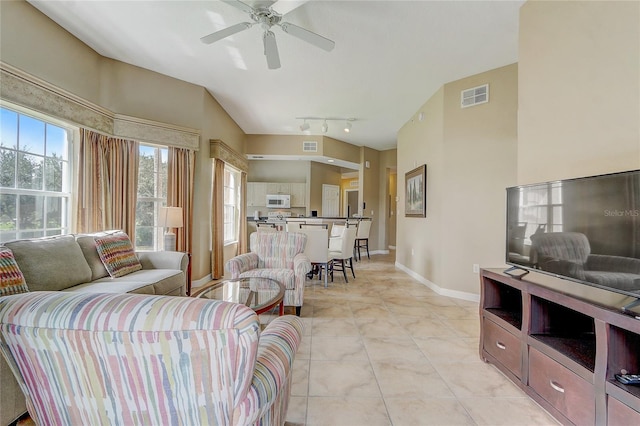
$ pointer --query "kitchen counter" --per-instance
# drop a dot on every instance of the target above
(265, 218)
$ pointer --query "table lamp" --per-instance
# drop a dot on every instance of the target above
(170, 218)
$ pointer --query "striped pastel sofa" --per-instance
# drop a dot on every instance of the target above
(279, 256)
(95, 358)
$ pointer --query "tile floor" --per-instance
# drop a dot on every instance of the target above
(386, 350)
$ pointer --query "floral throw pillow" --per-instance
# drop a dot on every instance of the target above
(117, 255)
(11, 278)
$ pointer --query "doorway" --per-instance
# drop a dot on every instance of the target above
(350, 202)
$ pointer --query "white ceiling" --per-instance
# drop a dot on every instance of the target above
(389, 57)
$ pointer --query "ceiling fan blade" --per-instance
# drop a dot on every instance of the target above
(219, 35)
(271, 50)
(308, 36)
(239, 5)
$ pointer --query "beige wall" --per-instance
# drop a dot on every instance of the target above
(480, 162)
(138, 92)
(278, 171)
(342, 150)
(38, 46)
(387, 190)
(280, 144)
(371, 182)
(471, 158)
(421, 142)
(579, 89)
(31, 41)
(322, 174)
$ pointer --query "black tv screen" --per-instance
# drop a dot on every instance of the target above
(584, 229)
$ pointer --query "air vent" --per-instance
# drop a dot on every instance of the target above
(310, 146)
(474, 96)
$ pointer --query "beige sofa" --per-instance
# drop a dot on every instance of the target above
(71, 263)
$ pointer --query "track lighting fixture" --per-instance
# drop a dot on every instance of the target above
(325, 125)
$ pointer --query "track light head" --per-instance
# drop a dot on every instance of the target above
(304, 126)
(325, 127)
(347, 127)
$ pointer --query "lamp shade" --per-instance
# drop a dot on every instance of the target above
(171, 217)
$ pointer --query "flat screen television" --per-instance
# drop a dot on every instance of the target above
(585, 229)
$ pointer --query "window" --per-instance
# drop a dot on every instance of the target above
(231, 204)
(35, 195)
(152, 194)
(542, 209)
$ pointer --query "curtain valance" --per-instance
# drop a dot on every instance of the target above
(31, 92)
(222, 151)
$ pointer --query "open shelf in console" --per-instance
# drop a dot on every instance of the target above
(503, 301)
(623, 354)
(567, 331)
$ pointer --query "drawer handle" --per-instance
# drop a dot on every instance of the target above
(501, 345)
(556, 386)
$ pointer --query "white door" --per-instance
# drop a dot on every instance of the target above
(330, 200)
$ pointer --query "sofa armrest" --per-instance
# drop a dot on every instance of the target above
(164, 260)
(301, 264)
(241, 263)
(270, 389)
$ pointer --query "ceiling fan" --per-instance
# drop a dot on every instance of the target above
(263, 14)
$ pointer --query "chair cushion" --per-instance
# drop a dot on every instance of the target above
(116, 252)
(11, 278)
(87, 244)
(276, 250)
(284, 276)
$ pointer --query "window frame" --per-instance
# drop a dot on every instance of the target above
(235, 220)
(157, 199)
(64, 196)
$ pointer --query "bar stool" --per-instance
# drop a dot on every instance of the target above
(362, 237)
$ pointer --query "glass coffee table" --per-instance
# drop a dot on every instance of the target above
(260, 294)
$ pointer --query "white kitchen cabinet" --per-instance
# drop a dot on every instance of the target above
(278, 188)
(298, 195)
(256, 194)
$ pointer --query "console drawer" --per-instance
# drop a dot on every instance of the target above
(566, 391)
(503, 346)
(619, 414)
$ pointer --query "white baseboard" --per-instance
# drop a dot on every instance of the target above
(441, 291)
(379, 252)
(202, 281)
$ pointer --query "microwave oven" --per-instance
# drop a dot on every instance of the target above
(278, 201)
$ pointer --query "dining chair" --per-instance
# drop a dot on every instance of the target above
(316, 249)
(362, 237)
(266, 227)
(316, 226)
(293, 225)
(343, 255)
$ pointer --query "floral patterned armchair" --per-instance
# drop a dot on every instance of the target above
(92, 358)
(279, 256)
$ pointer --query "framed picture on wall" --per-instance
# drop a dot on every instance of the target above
(415, 188)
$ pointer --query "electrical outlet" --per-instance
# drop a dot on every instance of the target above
(476, 268)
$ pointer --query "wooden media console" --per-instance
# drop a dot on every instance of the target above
(562, 342)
